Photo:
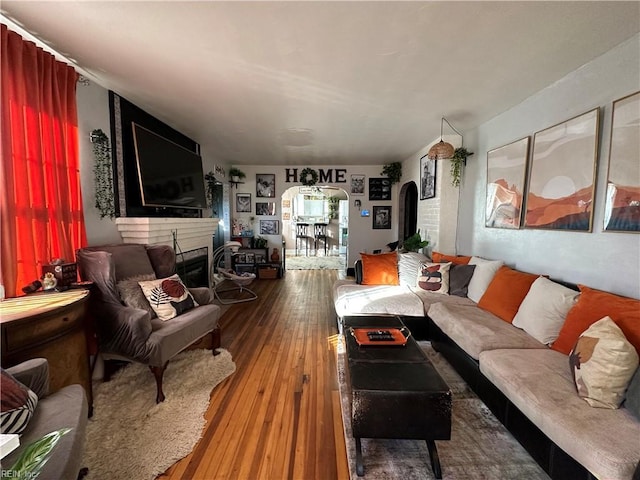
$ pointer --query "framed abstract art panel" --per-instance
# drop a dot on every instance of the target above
(506, 170)
(562, 175)
(622, 200)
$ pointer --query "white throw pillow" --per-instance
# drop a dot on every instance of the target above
(482, 275)
(603, 363)
(408, 264)
(544, 309)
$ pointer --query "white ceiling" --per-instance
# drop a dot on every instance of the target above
(325, 82)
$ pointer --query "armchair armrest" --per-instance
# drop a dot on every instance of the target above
(202, 295)
(34, 374)
(125, 331)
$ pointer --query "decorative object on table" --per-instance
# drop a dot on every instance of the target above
(103, 174)
(393, 171)
(382, 217)
(506, 170)
(357, 184)
(427, 178)
(458, 162)
(265, 208)
(379, 189)
(275, 255)
(243, 202)
(65, 273)
(49, 282)
(442, 150)
(265, 185)
(414, 243)
(269, 227)
(308, 177)
(562, 175)
(236, 174)
(622, 201)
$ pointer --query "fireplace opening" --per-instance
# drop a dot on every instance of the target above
(192, 267)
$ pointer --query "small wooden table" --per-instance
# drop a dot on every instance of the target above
(51, 326)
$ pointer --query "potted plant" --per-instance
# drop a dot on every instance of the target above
(458, 161)
(236, 174)
(393, 171)
(414, 243)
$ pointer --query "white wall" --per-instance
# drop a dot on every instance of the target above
(361, 234)
(607, 261)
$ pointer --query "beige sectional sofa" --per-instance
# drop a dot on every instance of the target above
(527, 385)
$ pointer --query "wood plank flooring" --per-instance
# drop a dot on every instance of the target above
(278, 416)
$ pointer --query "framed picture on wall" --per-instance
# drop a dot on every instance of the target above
(266, 185)
(243, 202)
(562, 175)
(382, 217)
(622, 202)
(427, 178)
(379, 189)
(357, 184)
(265, 208)
(506, 170)
(269, 227)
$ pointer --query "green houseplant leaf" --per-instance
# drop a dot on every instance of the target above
(393, 171)
(414, 243)
(36, 455)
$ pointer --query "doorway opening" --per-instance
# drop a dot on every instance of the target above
(315, 223)
(408, 210)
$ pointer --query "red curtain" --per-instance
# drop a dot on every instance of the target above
(40, 198)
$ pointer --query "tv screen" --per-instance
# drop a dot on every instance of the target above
(169, 175)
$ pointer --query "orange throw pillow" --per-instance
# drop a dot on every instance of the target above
(438, 257)
(506, 292)
(592, 305)
(380, 269)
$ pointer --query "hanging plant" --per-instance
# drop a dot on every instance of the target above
(393, 171)
(458, 161)
(304, 177)
(103, 174)
(211, 181)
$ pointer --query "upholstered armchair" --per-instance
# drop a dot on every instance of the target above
(126, 326)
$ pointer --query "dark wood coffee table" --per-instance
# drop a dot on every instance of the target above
(395, 391)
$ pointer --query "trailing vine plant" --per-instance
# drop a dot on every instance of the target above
(458, 161)
(393, 171)
(103, 174)
(304, 177)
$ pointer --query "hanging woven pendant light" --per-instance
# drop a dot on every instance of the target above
(441, 150)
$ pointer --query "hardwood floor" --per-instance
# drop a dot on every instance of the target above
(278, 416)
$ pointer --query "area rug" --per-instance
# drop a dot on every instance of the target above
(480, 446)
(130, 436)
(315, 263)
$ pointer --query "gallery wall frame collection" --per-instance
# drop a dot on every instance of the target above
(427, 177)
(506, 173)
(622, 199)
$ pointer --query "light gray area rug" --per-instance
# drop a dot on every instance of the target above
(315, 263)
(130, 436)
(480, 447)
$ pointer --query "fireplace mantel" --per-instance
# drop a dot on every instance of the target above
(190, 233)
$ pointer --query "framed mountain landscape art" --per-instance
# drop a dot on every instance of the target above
(622, 201)
(506, 169)
(562, 175)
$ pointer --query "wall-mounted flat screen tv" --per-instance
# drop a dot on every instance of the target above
(169, 175)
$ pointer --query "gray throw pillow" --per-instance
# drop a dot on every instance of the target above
(632, 403)
(132, 295)
(459, 278)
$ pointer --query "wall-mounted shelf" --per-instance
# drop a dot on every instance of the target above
(234, 184)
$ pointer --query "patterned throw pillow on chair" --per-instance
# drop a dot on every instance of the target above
(18, 404)
(168, 296)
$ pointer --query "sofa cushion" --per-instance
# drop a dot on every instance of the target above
(168, 296)
(505, 293)
(482, 276)
(438, 257)
(539, 384)
(602, 364)
(476, 330)
(17, 404)
(380, 269)
(132, 295)
(632, 401)
(408, 265)
(593, 305)
(459, 278)
(434, 277)
(544, 309)
(352, 299)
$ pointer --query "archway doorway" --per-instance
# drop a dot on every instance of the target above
(319, 208)
(408, 210)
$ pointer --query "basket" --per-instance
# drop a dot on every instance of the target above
(268, 272)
